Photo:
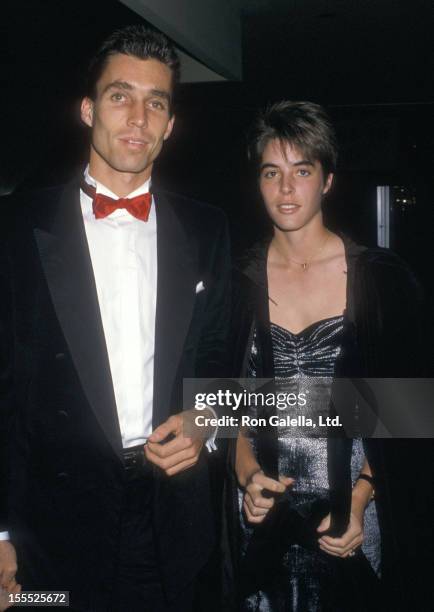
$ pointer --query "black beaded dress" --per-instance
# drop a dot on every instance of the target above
(304, 364)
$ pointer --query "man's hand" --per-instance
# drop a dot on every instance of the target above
(181, 452)
(346, 544)
(256, 506)
(8, 570)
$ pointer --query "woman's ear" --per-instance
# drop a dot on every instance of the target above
(328, 183)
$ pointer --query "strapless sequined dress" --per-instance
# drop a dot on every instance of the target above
(304, 364)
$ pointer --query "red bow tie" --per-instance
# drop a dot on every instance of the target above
(103, 205)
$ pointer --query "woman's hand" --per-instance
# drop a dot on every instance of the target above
(353, 537)
(348, 542)
(256, 507)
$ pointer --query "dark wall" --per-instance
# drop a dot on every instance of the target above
(46, 48)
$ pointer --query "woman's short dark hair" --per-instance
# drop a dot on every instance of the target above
(138, 41)
(304, 125)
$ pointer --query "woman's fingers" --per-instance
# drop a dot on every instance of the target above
(342, 551)
(286, 481)
(264, 482)
(325, 524)
(251, 517)
(351, 533)
(260, 501)
(345, 545)
(256, 506)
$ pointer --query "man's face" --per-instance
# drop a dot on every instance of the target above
(130, 116)
(292, 186)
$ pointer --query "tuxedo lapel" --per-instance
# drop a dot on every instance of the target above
(65, 258)
(176, 285)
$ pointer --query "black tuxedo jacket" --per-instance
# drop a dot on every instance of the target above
(62, 466)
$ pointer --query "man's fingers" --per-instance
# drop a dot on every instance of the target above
(170, 448)
(180, 467)
(172, 425)
(8, 563)
(7, 576)
(4, 596)
(166, 463)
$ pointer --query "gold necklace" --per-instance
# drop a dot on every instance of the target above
(306, 264)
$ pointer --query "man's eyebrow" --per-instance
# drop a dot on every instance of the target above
(160, 94)
(118, 85)
(125, 85)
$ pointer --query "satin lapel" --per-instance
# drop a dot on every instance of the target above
(65, 258)
(177, 262)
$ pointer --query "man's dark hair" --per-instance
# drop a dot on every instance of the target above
(138, 41)
(304, 125)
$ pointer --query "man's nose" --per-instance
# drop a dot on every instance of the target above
(138, 115)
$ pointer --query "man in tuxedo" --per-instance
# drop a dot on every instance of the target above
(110, 296)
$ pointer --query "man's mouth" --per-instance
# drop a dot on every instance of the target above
(134, 142)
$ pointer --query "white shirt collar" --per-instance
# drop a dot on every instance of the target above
(100, 188)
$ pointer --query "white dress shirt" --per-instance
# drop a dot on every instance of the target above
(123, 252)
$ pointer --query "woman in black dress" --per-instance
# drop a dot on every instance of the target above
(311, 306)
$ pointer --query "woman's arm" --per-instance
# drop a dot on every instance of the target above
(353, 537)
(363, 492)
(245, 462)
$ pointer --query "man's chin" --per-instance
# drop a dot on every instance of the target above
(130, 167)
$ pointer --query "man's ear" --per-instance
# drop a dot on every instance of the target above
(86, 111)
(328, 183)
(169, 127)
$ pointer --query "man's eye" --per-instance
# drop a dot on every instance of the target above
(117, 97)
(157, 104)
(270, 174)
(303, 172)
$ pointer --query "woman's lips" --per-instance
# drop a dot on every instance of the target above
(288, 209)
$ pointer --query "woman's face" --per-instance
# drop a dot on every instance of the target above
(292, 186)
